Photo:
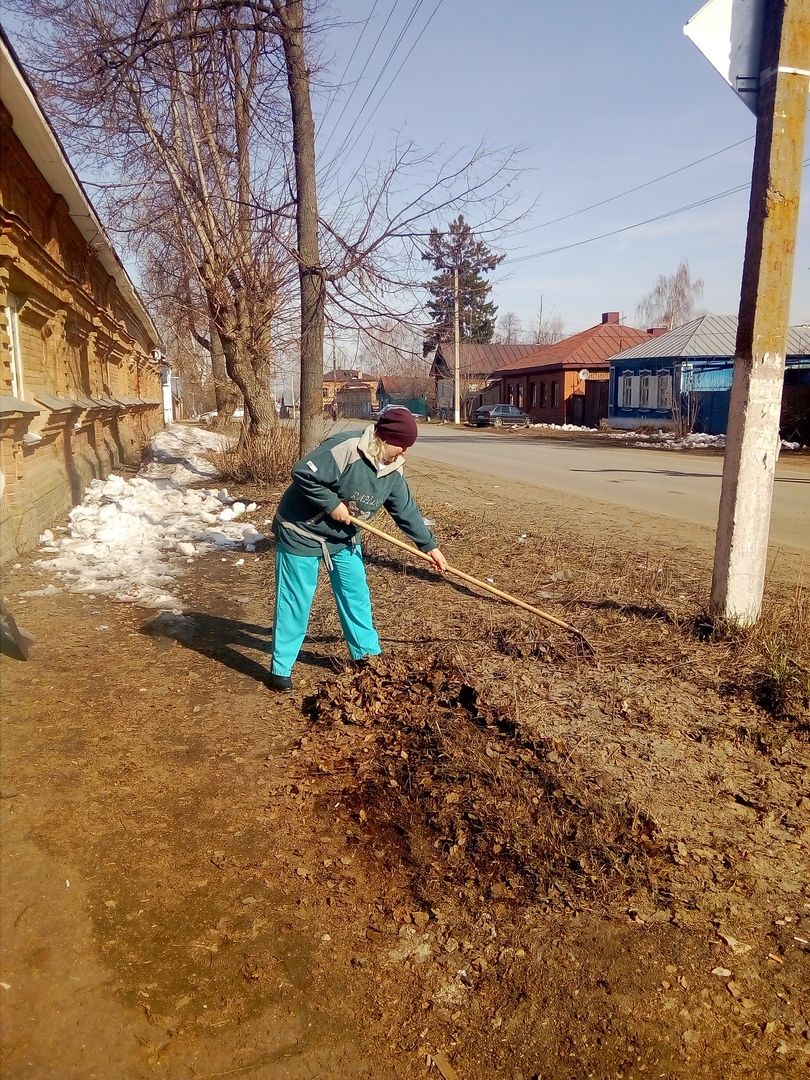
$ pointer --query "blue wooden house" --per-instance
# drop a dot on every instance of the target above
(683, 379)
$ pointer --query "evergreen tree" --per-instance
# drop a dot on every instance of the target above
(458, 249)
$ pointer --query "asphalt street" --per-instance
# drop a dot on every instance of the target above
(680, 485)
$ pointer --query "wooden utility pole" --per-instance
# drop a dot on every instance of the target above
(752, 440)
(456, 365)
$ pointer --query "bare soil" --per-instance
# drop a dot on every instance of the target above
(489, 854)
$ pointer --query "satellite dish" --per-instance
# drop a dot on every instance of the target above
(584, 374)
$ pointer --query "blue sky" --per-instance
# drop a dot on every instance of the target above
(605, 95)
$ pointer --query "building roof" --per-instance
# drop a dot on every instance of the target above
(708, 335)
(589, 348)
(43, 146)
(404, 384)
(344, 375)
(475, 359)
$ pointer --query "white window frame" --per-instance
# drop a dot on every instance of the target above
(665, 385)
(646, 398)
(626, 390)
(13, 327)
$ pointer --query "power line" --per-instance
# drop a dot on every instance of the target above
(409, 20)
(394, 78)
(638, 224)
(639, 187)
(360, 76)
(339, 83)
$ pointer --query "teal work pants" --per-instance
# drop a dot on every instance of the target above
(296, 579)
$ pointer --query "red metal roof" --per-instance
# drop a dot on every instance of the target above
(589, 348)
(475, 359)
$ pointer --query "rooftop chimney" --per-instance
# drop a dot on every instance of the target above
(610, 316)
(656, 331)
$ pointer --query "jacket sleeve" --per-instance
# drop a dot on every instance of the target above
(402, 507)
(316, 476)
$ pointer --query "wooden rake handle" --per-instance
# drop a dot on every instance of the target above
(473, 580)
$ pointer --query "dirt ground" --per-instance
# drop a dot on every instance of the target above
(489, 855)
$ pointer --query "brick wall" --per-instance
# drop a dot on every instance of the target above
(78, 338)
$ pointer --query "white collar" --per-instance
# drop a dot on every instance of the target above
(382, 468)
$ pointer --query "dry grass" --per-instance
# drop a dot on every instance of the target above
(773, 659)
(266, 460)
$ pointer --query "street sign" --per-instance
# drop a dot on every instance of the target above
(584, 374)
(729, 34)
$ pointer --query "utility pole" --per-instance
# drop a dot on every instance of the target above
(457, 373)
(752, 440)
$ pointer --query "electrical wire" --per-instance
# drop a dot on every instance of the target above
(359, 77)
(339, 83)
(638, 187)
(409, 20)
(638, 224)
(394, 78)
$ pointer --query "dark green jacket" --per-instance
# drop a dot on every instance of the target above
(337, 471)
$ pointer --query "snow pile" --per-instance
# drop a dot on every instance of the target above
(563, 427)
(668, 440)
(127, 538)
(697, 440)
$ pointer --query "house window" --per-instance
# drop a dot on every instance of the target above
(543, 395)
(520, 396)
(15, 357)
(664, 390)
(533, 395)
(645, 391)
(555, 394)
(630, 390)
(511, 393)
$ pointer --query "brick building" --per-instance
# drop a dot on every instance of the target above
(80, 389)
(548, 385)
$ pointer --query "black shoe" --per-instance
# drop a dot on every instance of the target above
(364, 661)
(281, 683)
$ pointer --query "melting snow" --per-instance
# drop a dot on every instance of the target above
(127, 538)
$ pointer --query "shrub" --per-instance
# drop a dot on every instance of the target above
(262, 460)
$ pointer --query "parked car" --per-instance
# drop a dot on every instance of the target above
(498, 415)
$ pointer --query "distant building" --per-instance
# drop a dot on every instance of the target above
(478, 384)
(560, 383)
(682, 378)
(80, 382)
(406, 390)
(354, 399)
(337, 382)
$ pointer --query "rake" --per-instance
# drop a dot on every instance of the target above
(491, 589)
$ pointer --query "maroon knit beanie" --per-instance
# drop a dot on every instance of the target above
(397, 427)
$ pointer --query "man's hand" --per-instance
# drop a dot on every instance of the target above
(340, 513)
(439, 561)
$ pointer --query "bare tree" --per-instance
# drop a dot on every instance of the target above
(546, 329)
(509, 330)
(180, 97)
(205, 109)
(672, 300)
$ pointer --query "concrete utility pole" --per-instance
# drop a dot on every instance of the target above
(752, 440)
(456, 365)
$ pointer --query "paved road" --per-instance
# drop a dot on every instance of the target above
(684, 486)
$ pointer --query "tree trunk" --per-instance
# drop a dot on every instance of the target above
(310, 273)
(225, 394)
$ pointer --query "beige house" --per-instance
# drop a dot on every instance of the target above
(80, 383)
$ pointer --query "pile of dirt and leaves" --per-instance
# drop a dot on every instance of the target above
(470, 802)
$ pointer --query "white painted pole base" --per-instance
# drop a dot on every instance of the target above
(752, 447)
